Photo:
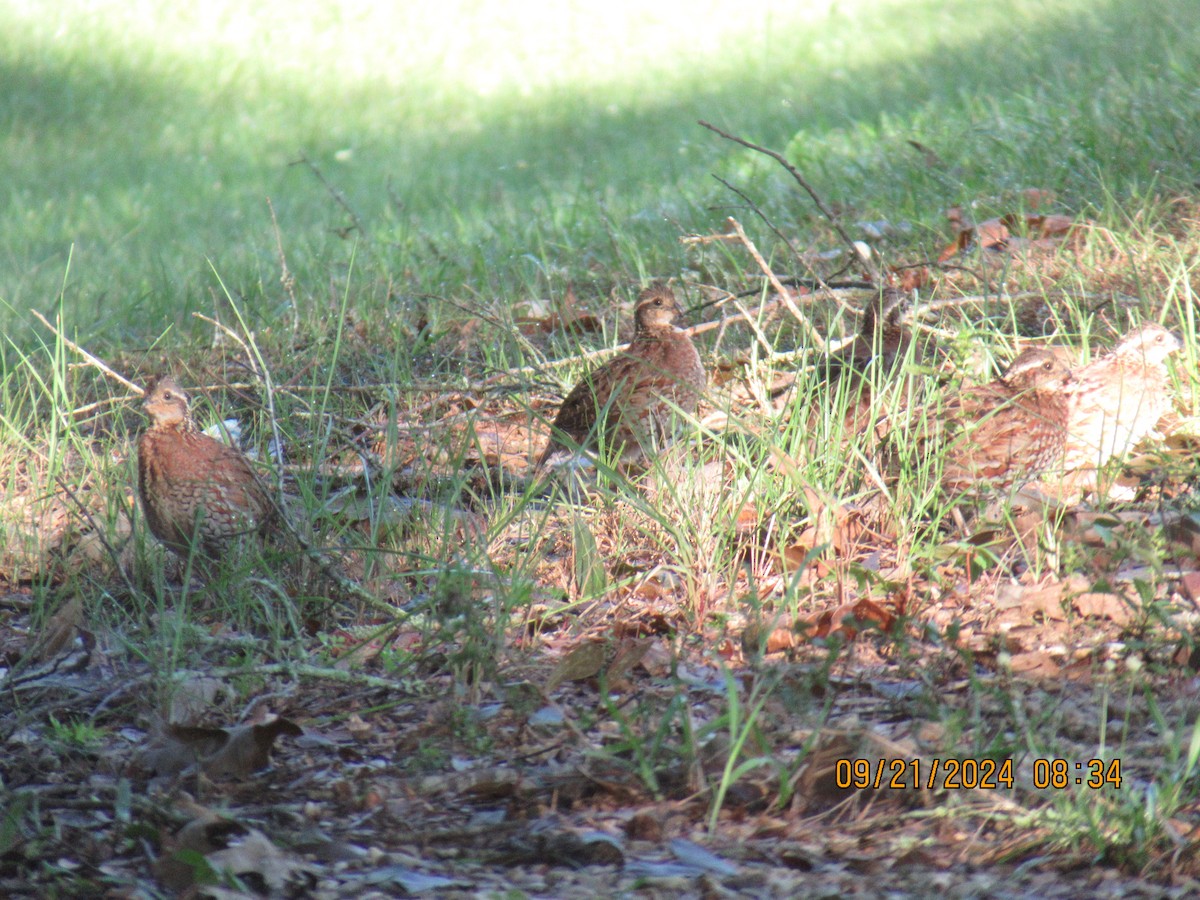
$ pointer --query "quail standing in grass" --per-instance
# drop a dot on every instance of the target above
(1011, 430)
(197, 493)
(631, 403)
(881, 345)
(1117, 400)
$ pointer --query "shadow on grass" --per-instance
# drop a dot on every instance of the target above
(149, 180)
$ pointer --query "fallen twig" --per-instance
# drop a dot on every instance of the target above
(95, 361)
(813, 335)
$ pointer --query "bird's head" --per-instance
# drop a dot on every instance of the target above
(657, 307)
(166, 403)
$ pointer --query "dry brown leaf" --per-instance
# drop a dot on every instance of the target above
(229, 847)
(834, 528)
(194, 696)
(1102, 605)
(59, 632)
(848, 619)
(1189, 586)
(629, 652)
(780, 639)
(203, 835)
(220, 752)
(1035, 198)
(567, 319)
(359, 729)
(572, 323)
(1037, 663)
(253, 857)
(1009, 233)
(585, 660)
(911, 278)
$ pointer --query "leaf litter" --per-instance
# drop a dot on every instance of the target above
(585, 756)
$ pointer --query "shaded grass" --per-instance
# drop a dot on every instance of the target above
(464, 172)
(563, 155)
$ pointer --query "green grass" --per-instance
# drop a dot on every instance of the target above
(514, 150)
(428, 174)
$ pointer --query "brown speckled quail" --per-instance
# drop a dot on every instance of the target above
(882, 336)
(882, 343)
(1011, 430)
(632, 399)
(195, 490)
(1117, 399)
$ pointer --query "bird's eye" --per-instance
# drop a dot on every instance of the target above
(167, 395)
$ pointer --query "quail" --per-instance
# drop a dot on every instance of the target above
(196, 492)
(881, 344)
(630, 403)
(881, 338)
(1117, 400)
(1011, 430)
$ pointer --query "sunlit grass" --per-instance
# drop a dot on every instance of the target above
(503, 147)
(428, 168)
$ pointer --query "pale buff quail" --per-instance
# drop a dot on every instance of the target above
(1117, 400)
(1011, 430)
(631, 401)
(196, 492)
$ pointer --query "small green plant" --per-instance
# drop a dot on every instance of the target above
(75, 735)
(740, 722)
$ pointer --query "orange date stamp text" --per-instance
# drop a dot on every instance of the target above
(971, 773)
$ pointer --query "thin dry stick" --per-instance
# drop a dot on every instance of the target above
(108, 547)
(323, 562)
(495, 323)
(967, 300)
(286, 278)
(813, 335)
(296, 389)
(252, 359)
(744, 315)
(817, 279)
(338, 197)
(808, 188)
(758, 212)
(758, 332)
(89, 357)
(612, 351)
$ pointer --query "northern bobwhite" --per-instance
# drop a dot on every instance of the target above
(881, 337)
(632, 399)
(196, 492)
(1117, 399)
(881, 344)
(1010, 430)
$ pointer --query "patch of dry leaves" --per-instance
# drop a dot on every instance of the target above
(348, 778)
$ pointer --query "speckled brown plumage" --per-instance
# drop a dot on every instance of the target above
(882, 337)
(1010, 430)
(1117, 399)
(872, 357)
(631, 400)
(194, 490)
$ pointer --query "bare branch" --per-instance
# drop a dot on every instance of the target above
(95, 361)
(338, 197)
(850, 243)
(813, 335)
